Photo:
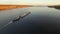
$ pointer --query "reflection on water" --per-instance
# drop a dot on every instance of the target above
(41, 19)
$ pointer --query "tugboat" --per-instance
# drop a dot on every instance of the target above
(20, 17)
(17, 19)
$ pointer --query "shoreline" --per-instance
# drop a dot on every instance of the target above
(7, 7)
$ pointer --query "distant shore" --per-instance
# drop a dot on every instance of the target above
(55, 6)
(6, 7)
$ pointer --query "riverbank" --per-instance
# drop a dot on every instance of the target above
(56, 6)
(6, 7)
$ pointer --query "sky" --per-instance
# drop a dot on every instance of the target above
(31, 2)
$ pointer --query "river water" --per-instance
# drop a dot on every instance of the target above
(41, 19)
